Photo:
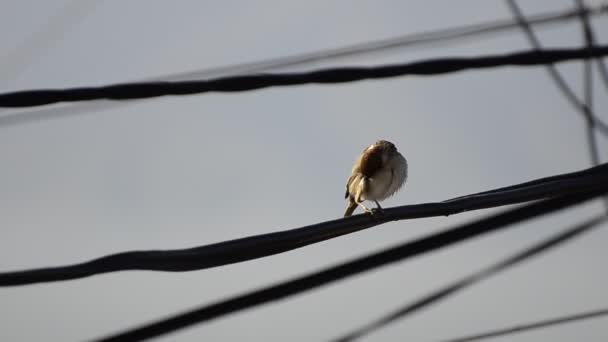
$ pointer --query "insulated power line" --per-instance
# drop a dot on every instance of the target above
(438, 66)
(403, 41)
(532, 326)
(454, 287)
(253, 247)
(342, 271)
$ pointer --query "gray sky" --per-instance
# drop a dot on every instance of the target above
(176, 172)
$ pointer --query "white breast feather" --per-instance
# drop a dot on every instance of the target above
(399, 169)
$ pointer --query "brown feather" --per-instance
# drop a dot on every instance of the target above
(371, 161)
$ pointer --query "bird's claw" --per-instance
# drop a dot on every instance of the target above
(375, 211)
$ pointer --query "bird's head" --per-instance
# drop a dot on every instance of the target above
(386, 148)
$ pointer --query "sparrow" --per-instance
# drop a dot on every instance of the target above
(376, 175)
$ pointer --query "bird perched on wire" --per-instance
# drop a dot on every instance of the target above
(377, 174)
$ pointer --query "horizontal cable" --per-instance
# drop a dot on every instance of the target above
(465, 282)
(532, 326)
(357, 266)
(545, 181)
(258, 246)
(141, 90)
(409, 41)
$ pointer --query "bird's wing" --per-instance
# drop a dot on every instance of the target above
(353, 174)
(371, 161)
(366, 165)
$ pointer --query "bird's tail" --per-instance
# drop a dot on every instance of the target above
(352, 205)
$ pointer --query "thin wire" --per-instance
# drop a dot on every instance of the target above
(601, 65)
(532, 326)
(381, 45)
(472, 279)
(588, 86)
(590, 37)
(342, 271)
(592, 143)
(552, 70)
(258, 246)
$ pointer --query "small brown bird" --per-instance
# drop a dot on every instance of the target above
(377, 174)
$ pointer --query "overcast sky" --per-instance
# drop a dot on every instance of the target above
(177, 172)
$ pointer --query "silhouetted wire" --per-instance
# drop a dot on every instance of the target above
(258, 246)
(590, 37)
(545, 181)
(532, 326)
(554, 73)
(357, 266)
(454, 287)
(381, 45)
(376, 46)
(592, 142)
(594, 155)
(128, 91)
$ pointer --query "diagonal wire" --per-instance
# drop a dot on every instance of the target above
(532, 326)
(588, 96)
(342, 271)
(403, 41)
(381, 45)
(474, 278)
(591, 40)
(258, 246)
(592, 142)
(588, 90)
(552, 70)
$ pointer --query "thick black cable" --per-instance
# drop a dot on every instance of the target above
(532, 326)
(465, 282)
(258, 246)
(554, 73)
(409, 40)
(546, 181)
(357, 266)
(438, 66)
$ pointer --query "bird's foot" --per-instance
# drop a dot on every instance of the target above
(375, 212)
